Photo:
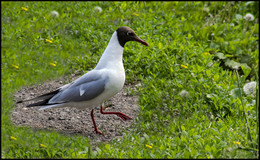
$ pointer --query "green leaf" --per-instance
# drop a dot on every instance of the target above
(220, 55)
(160, 45)
(221, 145)
(232, 64)
(207, 148)
(246, 69)
(235, 92)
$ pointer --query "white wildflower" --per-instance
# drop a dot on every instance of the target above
(54, 14)
(184, 94)
(249, 17)
(238, 16)
(250, 88)
(98, 9)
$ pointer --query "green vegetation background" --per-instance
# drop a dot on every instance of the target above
(188, 107)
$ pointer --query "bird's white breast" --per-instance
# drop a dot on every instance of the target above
(116, 81)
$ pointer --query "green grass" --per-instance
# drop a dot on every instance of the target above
(209, 38)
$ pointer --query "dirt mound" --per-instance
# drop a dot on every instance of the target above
(75, 121)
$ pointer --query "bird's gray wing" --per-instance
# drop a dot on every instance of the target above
(85, 88)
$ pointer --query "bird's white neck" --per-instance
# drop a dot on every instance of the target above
(112, 55)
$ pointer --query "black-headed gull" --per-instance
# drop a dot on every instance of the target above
(97, 85)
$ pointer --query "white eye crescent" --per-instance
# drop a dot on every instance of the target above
(130, 33)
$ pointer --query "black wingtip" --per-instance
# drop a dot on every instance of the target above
(47, 97)
(19, 102)
(41, 103)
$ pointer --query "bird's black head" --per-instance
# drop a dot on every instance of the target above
(126, 34)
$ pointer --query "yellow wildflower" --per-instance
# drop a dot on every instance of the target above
(42, 145)
(13, 138)
(236, 142)
(184, 66)
(53, 64)
(47, 40)
(15, 66)
(25, 9)
(148, 146)
(207, 53)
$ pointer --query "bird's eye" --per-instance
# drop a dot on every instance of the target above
(130, 33)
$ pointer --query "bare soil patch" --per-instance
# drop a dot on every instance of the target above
(76, 121)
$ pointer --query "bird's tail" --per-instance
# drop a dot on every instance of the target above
(45, 98)
(41, 103)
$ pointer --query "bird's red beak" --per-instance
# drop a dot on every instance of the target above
(141, 41)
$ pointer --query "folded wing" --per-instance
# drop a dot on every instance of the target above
(85, 88)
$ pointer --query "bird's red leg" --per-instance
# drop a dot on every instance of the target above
(93, 120)
(119, 114)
